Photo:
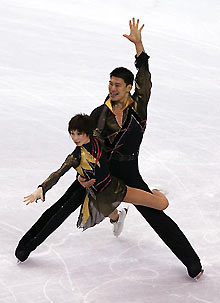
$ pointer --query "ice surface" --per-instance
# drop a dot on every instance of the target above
(55, 59)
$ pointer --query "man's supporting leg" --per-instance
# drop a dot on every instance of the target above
(51, 219)
(163, 225)
(173, 237)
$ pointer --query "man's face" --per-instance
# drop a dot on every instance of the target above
(118, 90)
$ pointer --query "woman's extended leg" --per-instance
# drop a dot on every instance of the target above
(155, 199)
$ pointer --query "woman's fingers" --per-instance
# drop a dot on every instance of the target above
(30, 199)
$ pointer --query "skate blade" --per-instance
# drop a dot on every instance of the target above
(198, 277)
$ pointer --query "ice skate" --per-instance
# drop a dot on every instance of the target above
(118, 225)
(22, 253)
(195, 270)
(197, 278)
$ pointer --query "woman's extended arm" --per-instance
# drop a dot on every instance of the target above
(71, 161)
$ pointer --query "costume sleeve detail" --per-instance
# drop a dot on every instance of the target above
(143, 85)
(71, 161)
(141, 60)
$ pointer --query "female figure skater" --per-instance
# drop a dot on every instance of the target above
(107, 192)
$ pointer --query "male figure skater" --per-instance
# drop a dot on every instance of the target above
(121, 122)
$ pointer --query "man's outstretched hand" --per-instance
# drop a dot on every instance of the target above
(135, 35)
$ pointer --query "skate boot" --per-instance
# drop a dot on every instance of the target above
(199, 275)
(118, 225)
(23, 251)
(195, 271)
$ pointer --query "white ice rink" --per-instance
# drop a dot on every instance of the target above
(55, 59)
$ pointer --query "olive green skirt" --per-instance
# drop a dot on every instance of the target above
(96, 208)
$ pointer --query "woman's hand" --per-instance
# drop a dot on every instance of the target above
(85, 183)
(37, 194)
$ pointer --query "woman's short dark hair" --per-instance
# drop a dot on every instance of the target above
(124, 73)
(82, 123)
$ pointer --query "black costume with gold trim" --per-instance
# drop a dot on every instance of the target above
(104, 196)
(122, 143)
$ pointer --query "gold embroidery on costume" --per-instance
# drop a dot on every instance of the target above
(85, 210)
(86, 157)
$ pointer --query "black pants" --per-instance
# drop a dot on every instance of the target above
(163, 225)
(54, 216)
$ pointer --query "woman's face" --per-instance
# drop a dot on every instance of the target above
(79, 138)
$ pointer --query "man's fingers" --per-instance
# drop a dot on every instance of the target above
(81, 179)
(141, 28)
(133, 19)
(86, 183)
(130, 25)
(90, 182)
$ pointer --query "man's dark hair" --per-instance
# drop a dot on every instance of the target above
(82, 123)
(124, 73)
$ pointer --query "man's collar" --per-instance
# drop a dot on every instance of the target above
(108, 103)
